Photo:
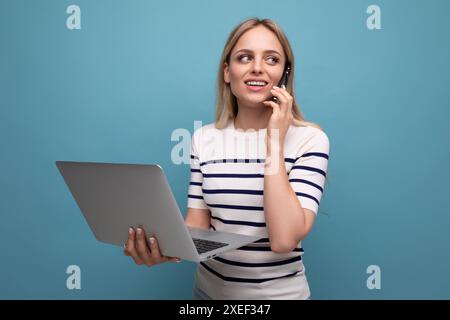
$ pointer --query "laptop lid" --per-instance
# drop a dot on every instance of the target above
(113, 197)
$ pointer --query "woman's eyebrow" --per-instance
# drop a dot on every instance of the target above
(266, 51)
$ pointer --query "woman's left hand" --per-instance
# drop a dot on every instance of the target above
(281, 117)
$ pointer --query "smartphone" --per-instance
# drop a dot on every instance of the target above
(284, 79)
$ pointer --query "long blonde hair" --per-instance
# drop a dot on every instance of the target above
(226, 103)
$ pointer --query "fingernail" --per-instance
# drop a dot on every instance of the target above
(130, 231)
(152, 240)
(139, 230)
(276, 87)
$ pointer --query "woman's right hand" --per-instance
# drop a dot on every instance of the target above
(143, 250)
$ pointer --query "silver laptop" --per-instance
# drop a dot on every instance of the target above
(114, 197)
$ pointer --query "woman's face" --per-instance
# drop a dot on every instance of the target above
(257, 56)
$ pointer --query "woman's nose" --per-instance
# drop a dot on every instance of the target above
(257, 66)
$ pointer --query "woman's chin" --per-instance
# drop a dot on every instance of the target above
(256, 102)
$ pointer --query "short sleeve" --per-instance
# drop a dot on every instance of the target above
(307, 175)
(195, 193)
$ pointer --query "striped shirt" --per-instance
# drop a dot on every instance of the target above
(227, 177)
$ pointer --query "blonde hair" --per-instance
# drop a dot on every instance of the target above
(226, 103)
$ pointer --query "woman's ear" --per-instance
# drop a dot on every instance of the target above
(226, 73)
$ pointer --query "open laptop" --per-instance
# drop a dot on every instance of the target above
(114, 197)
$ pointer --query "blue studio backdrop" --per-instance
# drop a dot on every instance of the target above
(114, 84)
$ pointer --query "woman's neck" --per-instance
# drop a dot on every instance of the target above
(252, 118)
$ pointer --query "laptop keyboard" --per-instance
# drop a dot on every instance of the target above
(203, 245)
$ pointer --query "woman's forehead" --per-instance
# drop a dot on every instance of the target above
(258, 39)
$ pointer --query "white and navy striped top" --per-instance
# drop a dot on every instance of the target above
(227, 177)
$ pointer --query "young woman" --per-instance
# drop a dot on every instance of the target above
(259, 169)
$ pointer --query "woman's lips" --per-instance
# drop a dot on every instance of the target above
(256, 88)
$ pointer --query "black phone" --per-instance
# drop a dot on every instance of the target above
(284, 79)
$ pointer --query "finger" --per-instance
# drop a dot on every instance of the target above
(171, 259)
(283, 91)
(125, 251)
(154, 249)
(282, 99)
(142, 247)
(275, 106)
(286, 101)
(131, 249)
(276, 92)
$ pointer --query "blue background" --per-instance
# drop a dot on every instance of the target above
(115, 90)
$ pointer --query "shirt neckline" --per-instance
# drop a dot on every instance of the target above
(248, 132)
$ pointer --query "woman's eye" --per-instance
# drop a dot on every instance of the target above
(273, 59)
(241, 58)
